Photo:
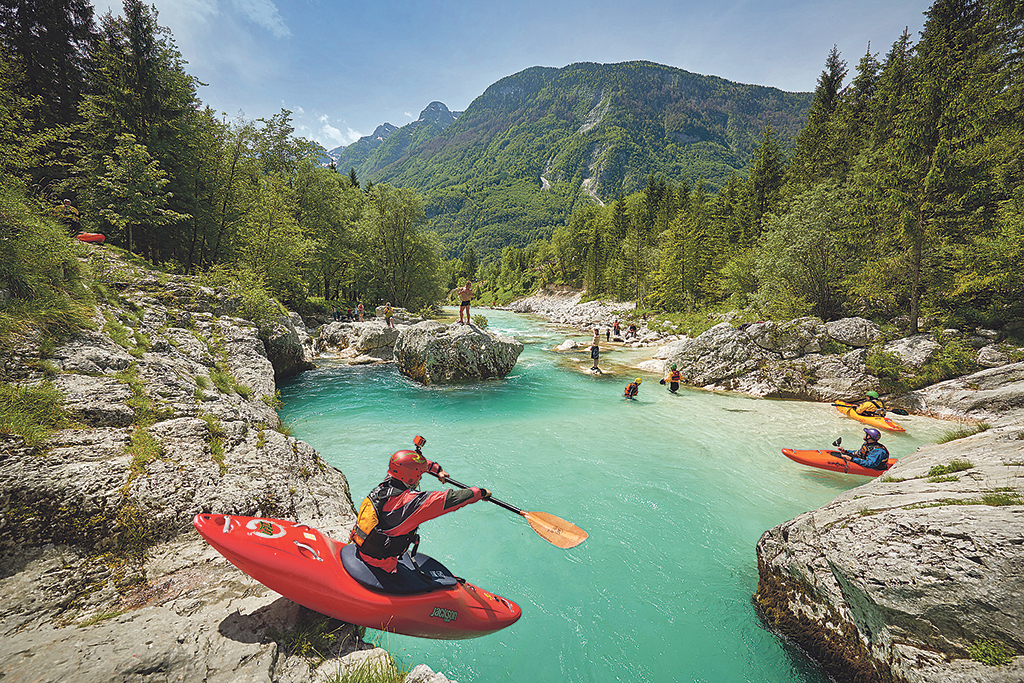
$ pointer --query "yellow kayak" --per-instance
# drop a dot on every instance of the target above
(850, 410)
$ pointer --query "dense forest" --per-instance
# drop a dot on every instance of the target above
(901, 194)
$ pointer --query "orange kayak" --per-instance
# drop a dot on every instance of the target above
(849, 410)
(833, 460)
(92, 237)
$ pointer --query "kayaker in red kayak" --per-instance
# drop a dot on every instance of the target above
(390, 514)
(872, 454)
(873, 407)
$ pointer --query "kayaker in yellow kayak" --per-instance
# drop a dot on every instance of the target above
(873, 407)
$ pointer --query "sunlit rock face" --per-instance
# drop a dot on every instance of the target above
(433, 353)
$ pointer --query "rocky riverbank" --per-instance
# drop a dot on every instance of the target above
(170, 404)
(917, 576)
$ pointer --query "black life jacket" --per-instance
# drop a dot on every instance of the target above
(367, 534)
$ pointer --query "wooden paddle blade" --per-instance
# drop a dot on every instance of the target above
(554, 530)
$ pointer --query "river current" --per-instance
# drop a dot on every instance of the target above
(674, 490)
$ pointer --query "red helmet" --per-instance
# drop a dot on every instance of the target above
(407, 467)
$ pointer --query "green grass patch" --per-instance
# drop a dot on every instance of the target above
(480, 320)
(243, 391)
(146, 410)
(202, 381)
(313, 638)
(1001, 497)
(962, 432)
(216, 435)
(943, 478)
(274, 401)
(371, 670)
(222, 380)
(143, 449)
(993, 498)
(32, 413)
(116, 331)
(990, 652)
(953, 467)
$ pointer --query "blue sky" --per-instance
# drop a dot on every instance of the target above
(345, 67)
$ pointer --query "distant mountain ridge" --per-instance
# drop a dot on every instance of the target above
(383, 146)
(513, 165)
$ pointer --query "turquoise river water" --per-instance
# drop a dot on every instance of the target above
(674, 490)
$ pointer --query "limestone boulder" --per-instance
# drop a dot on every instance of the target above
(896, 579)
(288, 345)
(336, 336)
(914, 351)
(718, 355)
(377, 340)
(790, 339)
(433, 353)
(857, 332)
(993, 395)
(992, 356)
(92, 353)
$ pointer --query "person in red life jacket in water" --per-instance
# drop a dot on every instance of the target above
(674, 377)
(390, 515)
(633, 388)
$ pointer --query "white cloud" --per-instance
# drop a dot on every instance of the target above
(330, 134)
(264, 13)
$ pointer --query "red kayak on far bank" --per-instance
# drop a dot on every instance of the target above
(833, 460)
(306, 566)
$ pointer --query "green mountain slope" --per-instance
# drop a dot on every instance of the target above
(516, 161)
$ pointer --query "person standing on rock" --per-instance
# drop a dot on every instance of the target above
(616, 329)
(389, 313)
(872, 454)
(390, 515)
(595, 348)
(359, 311)
(465, 294)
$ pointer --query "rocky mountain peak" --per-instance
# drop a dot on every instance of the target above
(438, 114)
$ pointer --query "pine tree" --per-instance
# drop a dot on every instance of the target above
(817, 153)
(767, 176)
(931, 170)
(52, 41)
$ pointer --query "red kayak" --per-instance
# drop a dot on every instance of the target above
(91, 237)
(833, 460)
(421, 599)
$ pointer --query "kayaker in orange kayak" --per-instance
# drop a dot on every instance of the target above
(873, 407)
(390, 515)
(872, 454)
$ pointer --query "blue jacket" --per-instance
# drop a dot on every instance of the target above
(871, 455)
